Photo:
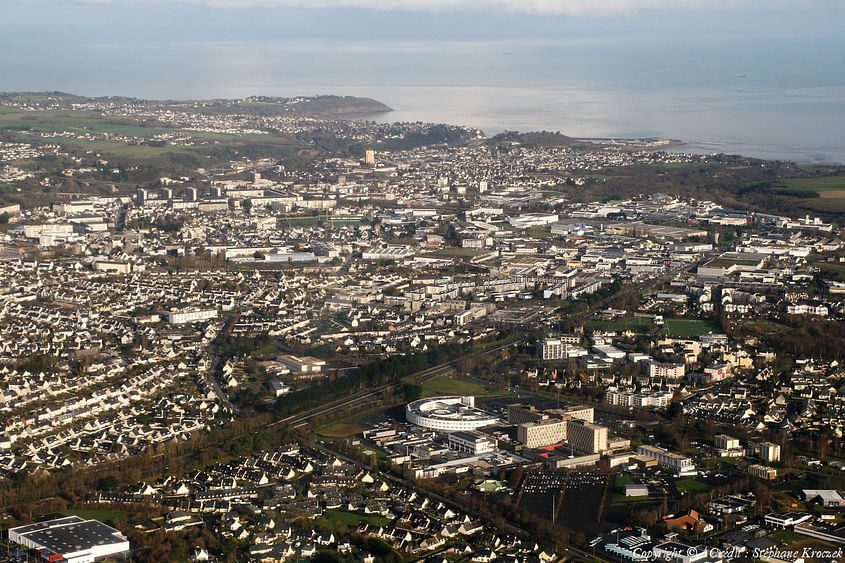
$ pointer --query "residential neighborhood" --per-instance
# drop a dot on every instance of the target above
(441, 348)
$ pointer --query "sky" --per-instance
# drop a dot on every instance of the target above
(86, 45)
(56, 21)
(740, 72)
(509, 6)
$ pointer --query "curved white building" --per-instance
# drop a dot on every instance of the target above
(448, 414)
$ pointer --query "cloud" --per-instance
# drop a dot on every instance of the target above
(551, 7)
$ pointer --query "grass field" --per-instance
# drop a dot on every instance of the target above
(827, 183)
(830, 190)
(692, 486)
(379, 453)
(32, 124)
(65, 120)
(825, 204)
(621, 481)
(620, 498)
(101, 515)
(539, 232)
(686, 328)
(353, 519)
(339, 430)
(761, 325)
(542, 231)
(670, 165)
(347, 222)
(442, 385)
(122, 149)
(635, 323)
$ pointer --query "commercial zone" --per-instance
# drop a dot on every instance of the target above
(72, 539)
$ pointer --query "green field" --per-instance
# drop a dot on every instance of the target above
(686, 328)
(539, 232)
(635, 323)
(670, 165)
(692, 486)
(118, 148)
(353, 519)
(618, 494)
(763, 326)
(621, 481)
(68, 120)
(827, 194)
(813, 184)
(620, 498)
(31, 124)
(542, 231)
(442, 385)
(825, 204)
(490, 486)
(101, 515)
(302, 221)
(370, 450)
(346, 221)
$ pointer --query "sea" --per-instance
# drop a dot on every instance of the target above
(777, 101)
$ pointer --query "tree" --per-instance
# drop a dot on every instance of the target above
(674, 410)
(452, 236)
(109, 483)
(325, 557)
(412, 392)
(515, 477)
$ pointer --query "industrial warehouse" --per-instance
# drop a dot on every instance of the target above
(72, 539)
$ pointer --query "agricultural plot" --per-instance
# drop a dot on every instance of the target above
(822, 194)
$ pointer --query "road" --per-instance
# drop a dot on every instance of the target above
(217, 363)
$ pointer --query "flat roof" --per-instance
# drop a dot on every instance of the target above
(66, 535)
(667, 453)
(28, 528)
(469, 436)
(447, 409)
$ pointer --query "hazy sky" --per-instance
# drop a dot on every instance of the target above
(748, 75)
(34, 21)
(126, 46)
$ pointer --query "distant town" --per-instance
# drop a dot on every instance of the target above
(272, 329)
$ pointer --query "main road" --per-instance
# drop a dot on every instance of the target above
(217, 362)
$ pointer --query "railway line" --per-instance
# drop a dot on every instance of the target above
(302, 419)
